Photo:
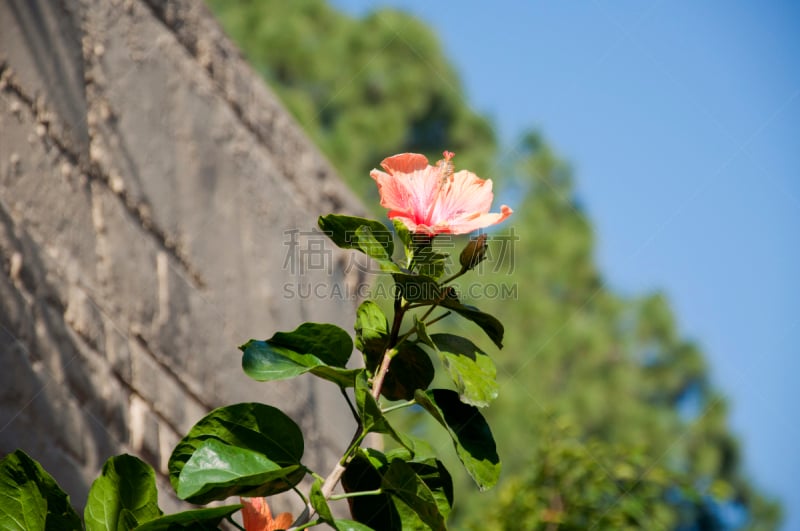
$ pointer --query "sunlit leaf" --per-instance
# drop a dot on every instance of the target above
(471, 369)
(264, 361)
(195, 520)
(372, 333)
(31, 499)
(123, 496)
(342, 230)
(327, 342)
(250, 426)
(369, 244)
(217, 470)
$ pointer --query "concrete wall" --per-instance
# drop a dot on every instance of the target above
(147, 178)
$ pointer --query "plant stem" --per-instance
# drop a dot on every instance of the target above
(336, 474)
(430, 311)
(350, 404)
(429, 323)
(297, 491)
(232, 521)
(399, 406)
(452, 278)
(436, 303)
(445, 314)
(399, 312)
(307, 525)
(406, 335)
(377, 382)
(355, 494)
(355, 443)
(332, 480)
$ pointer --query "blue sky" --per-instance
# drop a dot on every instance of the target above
(680, 119)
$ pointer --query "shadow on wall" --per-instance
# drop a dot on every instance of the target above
(148, 180)
(48, 404)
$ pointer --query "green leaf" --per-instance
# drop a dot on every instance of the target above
(265, 362)
(196, 519)
(422, 257)
(419, 288)
(319, 503)
(126, 520)
(375, 510)
(251, 426)
(411, 369)
(430, 263)
(434, 474)
(124, 495)
(351, 525)
(401, 480)
(369, 244)
(405, 237)
(403, 233)
(31, 499)
(471, 435)
(388, 510)
(372, 418)
(342, 230)
(328, 342)
(489, 324)
(372, 334)
(431, 470)
(321, 349)
(471, 369)
(217, 470)
(422, 451)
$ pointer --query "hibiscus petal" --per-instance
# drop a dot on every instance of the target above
(283, 521)
(463, 194)
(255, 514)
(411, 195)
(404, 163)
(429, 201)
(394, 195)
(424, 187)
(471, 192)
(469, 223)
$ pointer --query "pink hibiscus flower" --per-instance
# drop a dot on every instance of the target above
(258, 517)
(434, 199)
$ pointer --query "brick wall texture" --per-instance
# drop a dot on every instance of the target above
(147, 181)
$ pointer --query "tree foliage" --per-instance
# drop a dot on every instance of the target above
(605, 410)
(634, 394)
(362, 88)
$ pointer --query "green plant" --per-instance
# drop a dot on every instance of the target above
(254, 450)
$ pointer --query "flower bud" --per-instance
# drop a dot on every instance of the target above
(474, 253)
